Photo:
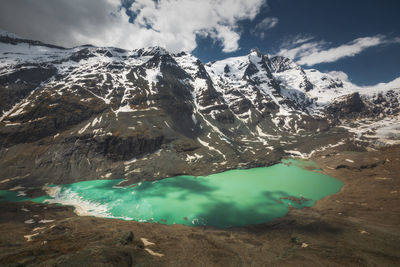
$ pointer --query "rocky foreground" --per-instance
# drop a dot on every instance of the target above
(359, 226)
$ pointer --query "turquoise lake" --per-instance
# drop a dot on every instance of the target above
(231, 198)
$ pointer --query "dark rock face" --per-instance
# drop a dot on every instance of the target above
(383, 103)
(270, 107)
(347, 106)
(16, 41)
(335, 84)
(209, 96)
(250, 71)
(226, 69)
(44, 120)
(148, 114)
(307, 85)
(353, 106)
(281, 64)
(19, 84)
(241, 106)
(225, 117)
(81, 55)
(117, 148)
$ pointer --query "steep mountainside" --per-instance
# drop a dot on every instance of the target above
(93, 112)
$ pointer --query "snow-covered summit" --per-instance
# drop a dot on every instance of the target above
(102, 105)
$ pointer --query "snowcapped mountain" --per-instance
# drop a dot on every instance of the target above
(100, 112)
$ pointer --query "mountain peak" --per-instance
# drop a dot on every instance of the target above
(142, 107)
(152, 50)
(256, 52)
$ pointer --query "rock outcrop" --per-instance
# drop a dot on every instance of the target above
(90, 112)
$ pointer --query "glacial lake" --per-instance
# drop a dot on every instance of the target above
(231, 198)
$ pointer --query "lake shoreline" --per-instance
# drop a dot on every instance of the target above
(357, 226)
(233, 198)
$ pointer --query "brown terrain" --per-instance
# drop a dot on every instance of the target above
(358, 226)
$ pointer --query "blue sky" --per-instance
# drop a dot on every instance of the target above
(335, 22)
(360, 38)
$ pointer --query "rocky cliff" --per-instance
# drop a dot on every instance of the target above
(99, 112)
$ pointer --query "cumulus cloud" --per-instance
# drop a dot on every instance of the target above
(307, 52)
(266, 24)
(173, 24)
(301, 49)
(340, 75)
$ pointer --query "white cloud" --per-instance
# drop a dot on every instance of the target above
(347, 50)
(264, 25)
(173, 24)
(267, 23)
(291, 41)
(302, 50)
(340, 75)
(394, 84)
(314, 52)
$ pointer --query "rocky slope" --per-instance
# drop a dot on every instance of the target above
(93, 112)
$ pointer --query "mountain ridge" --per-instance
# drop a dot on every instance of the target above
(93, 112)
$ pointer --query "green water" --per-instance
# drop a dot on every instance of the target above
(231, 198)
